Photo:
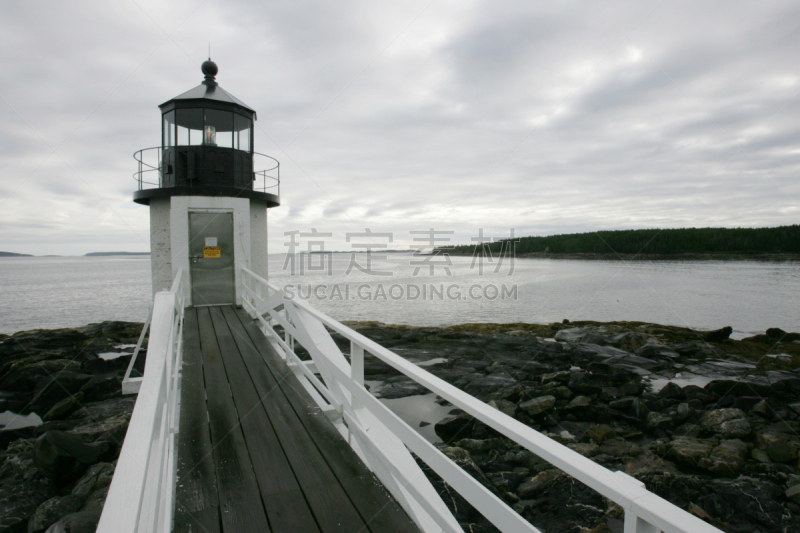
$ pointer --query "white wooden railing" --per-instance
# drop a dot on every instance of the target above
(384, 441)
(141, 495)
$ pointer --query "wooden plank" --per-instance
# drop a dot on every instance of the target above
(332, 508)
(196, 502)
(286, 507)
(374, 504)
(240, 502)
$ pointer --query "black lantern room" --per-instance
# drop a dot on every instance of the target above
(207, 147)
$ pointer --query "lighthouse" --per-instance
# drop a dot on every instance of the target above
(208, 193)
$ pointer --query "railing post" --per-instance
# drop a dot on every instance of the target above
(357, 363)
(634, 524)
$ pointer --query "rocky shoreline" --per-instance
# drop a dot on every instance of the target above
(622, 394)
(709, 423)
(54, 476)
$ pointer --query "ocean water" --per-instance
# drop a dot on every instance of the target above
(750, 296)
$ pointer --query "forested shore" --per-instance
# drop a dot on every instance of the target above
(777, 243)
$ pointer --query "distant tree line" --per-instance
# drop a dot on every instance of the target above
(783, 239)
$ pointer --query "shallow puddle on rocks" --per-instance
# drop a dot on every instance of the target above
(108, 356)
(431, 362)
(682, 379)
(416, 409)
(11, 420)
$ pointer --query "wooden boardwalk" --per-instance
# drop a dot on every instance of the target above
(255, 453)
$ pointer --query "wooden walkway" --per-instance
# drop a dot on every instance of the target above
(255, 453)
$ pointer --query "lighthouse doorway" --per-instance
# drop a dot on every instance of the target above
(211, 258)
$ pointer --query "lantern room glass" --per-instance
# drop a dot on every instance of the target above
(221, 124)
(168, 133)
(243, 129)
(210, 127)
(190, 127)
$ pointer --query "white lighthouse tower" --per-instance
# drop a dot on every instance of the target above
(208, 202)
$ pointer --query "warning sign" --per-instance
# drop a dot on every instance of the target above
(211, 251)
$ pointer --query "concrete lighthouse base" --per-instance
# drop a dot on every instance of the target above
(169, 237)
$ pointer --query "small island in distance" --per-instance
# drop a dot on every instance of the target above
(102, 254)
(90, 254)
(781, 242)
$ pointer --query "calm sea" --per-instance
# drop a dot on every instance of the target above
(750, 296)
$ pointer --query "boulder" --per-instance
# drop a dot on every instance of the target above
(97, 477)
(462, 458)
(59, 387)
(63, 408)
(727, 423)
(80, 522)
(63, 456)
(532, 488)
(459, 426)
(672, 390)
(52, 510)
(504, 406)
(657, 351)
(780, 451)
(726, 459)
(538, 405)
(689, 451)
(718, 335)
(573, 335)
(579, 402)
(598, 434)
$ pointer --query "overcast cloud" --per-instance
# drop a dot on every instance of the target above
(545, 117)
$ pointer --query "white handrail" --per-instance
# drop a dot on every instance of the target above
(141, 494)
(644, 511)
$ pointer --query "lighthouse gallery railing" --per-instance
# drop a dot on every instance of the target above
(383, 440)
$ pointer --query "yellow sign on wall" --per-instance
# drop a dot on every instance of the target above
(211, 252)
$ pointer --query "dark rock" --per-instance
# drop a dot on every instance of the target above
(746, 403)
(59, 387)
(727, 459)
(718, 335)
(80, 522)
(672, 390)
(504, 406)
(462, 458)
(780, 451)
(486, 384)
(598, 434)
(52, 510)
(573, 335)
(689, 451)
(727, 423)
(781, 336)
(22, 487)
(97, 477)
(696, 349)
(538, 405)
(459, 426)
(63, 456)
(657, 351)
(103, 387)
(63, 408)
(639, 409)
(532, 488)
(579, 402)
(739, 388)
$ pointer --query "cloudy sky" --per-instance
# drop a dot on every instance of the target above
(545, 117)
